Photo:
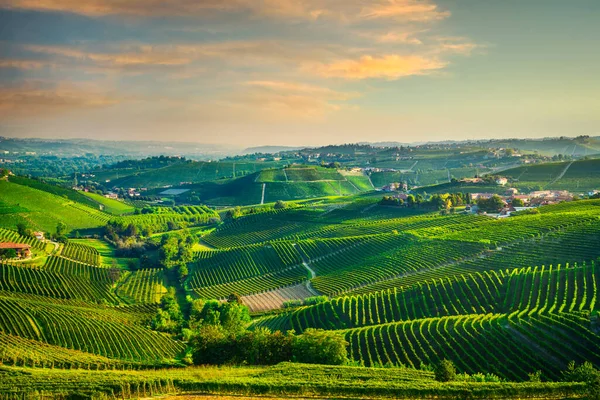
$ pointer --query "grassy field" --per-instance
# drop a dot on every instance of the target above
(193, 172)
(579, 176)
(42, 210)
(406, 288)
(111, 206)
(281, 381)
(106, 251)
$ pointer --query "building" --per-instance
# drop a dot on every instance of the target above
(23, 250)
(501, 181)
(477, 196)
(39, 235)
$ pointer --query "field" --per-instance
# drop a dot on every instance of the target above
(405, 287)
(286, 380)
(42, 210)
(279, 184)
(191, 171)
(579, 176)
(114, 207)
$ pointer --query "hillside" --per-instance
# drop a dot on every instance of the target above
(186, 171)
(43, 211)
(294, 183)
(405, 287)
(577, 176)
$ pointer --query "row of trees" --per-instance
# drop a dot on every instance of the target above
(218, 335)
(435, 202)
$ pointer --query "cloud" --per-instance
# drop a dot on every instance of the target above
(408, 10)
(24, 64)
(132, 57)
(280, 99)
(390, 66)
(457, 45)
(349, 10)
(42, 98)
(397, 37)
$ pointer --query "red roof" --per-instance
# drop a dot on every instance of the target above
(10, 245)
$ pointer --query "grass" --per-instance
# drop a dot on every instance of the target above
(45, 210)
(111, 206)
(285, 380)
(107, 252)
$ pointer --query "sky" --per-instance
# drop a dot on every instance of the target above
(299, 72)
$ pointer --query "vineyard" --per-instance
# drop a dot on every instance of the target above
(61, 278)
(103, 332)
(42, 210)
(407, 288)
(82, 253)
(143, 286)
(245, 270)
(533, 319)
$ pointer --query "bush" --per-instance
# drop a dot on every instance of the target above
(279, 205)
(583, 373)
(309, 301)
(445, 371)
(317, 346)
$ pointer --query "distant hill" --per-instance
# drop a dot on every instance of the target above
(295, 183)
(575, 176)
(270, 149)
(81, 147)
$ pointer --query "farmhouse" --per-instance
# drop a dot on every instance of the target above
(39, 235)
(23, 250)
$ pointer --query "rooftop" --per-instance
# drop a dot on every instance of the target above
(10, 245)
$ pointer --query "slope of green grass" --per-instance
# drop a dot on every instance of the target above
(193, 172)
(45, 210)
(114, 207)
(579, 176)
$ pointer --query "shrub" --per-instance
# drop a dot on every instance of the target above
(445, 371)
(317, 346)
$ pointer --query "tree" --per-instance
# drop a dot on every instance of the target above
(582, 373)
(518, 203)
(212, 346)
(22, 229)
(8, 253)
(234, 298)
(493, 204)
(61, 228)
(317, 346)
(279, 205)
(445, 371)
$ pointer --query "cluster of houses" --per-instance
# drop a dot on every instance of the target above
(531, 200)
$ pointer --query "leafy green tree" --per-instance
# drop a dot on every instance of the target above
(493, 204)
(8, 253)
(317, 346)
(60, 229)
(445, 371)
(212, 346)
(234, 298)
(582, 373)
(23, 229)
(517, 203)
(279, 205)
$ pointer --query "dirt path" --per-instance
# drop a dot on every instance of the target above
(262, 199)
(313, 274)
(564, 171)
